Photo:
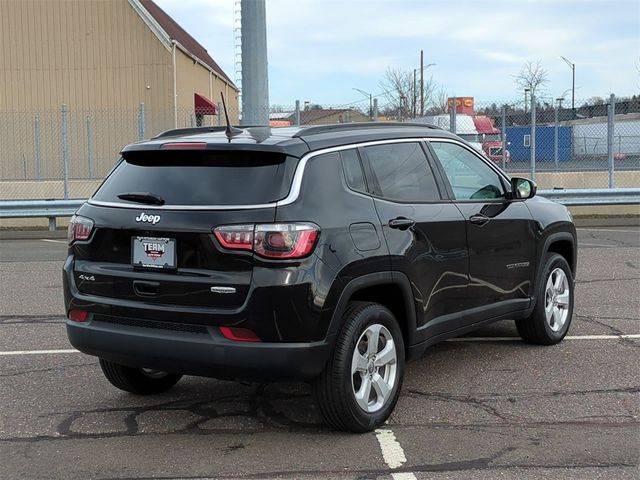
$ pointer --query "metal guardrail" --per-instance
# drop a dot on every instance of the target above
(593, 196)
(52, 209)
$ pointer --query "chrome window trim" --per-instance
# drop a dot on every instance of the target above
(142, 206)
(296, 183)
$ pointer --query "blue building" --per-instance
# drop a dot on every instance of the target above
(519, 143)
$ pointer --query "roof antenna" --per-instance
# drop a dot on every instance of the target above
(230, 131)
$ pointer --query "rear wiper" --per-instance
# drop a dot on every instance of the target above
(142, 197)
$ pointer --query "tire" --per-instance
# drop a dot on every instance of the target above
(138, 380)
(551, 317)
(336, 388)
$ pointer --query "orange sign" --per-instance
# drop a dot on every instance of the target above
(464, 105)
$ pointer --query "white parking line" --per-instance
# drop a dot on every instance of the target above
(52, 241)
(568, 337)
(37, 352)
(605, 230)
(597, 245)
(392, 453)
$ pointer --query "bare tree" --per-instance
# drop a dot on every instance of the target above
(402, 92)
(532, 77)
(397, 87)
(439, 105)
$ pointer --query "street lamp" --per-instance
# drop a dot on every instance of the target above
(526, 90)
(415, 70)
(366, 94)
(573, 83)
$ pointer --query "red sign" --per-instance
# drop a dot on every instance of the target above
(464, 105)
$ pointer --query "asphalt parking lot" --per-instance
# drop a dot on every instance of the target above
(483, 406)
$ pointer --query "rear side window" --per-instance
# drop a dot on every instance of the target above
(402, 173)
(353, 170)
(202, 178)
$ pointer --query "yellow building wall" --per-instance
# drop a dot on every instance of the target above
(192, 77)
(100, 59)
(89, 54)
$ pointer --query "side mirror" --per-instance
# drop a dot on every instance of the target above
(522, 188)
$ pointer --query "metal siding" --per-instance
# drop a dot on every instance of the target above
(544, 143)
(88, 54)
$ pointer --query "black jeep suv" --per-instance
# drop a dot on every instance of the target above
(330, 254)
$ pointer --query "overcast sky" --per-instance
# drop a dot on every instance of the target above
(320, 50)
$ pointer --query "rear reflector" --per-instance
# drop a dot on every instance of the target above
(239, 334)
(184, 146)
(78, 315)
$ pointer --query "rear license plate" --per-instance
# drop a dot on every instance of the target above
(153, 252)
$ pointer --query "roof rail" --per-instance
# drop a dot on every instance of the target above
(317, 129)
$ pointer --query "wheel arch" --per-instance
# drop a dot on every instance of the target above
(562, 243)
(390, 289)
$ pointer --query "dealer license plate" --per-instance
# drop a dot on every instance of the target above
(153, 252)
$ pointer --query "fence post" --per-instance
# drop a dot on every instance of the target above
(533, 136)
(296, 115)
(220, 112)
(375, 110)
(452, 116)
(611, 111)
(65, 150)
(89, 146)
(504, 137)
(36, 141)
(141, 121)
(555, 136)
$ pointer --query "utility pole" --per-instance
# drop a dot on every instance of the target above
(255, 72)
(415, 95)
(421, 83)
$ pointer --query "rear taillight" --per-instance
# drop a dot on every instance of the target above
(237, 237)
(79, 228)
(270, 240)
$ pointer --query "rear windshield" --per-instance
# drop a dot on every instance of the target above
(202, 178)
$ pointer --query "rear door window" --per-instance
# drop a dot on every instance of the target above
(402, 173)
(202, 178)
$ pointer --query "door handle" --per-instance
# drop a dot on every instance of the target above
(145, 289)
(479, 219)
(401, 223)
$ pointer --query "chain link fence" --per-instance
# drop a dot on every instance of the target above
(65, 153)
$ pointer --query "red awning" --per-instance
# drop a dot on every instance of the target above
(204, 106)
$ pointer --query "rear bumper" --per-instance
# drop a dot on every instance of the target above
(205, 353)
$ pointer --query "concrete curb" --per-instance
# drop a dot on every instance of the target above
(31, 234)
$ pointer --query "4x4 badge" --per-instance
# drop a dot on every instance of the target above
(152, 219)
